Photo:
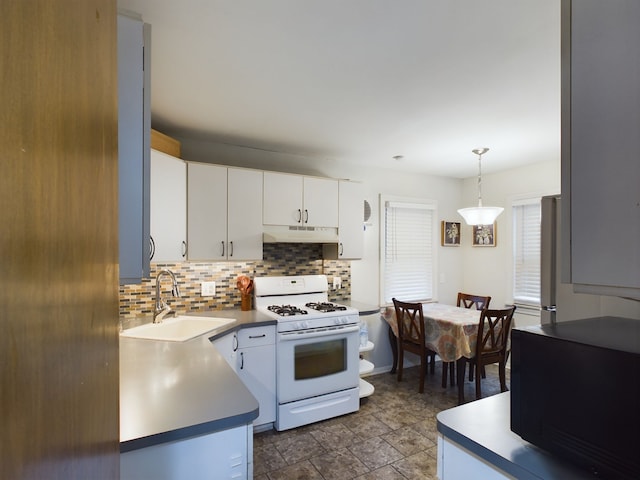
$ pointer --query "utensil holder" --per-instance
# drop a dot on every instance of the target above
(245, 303)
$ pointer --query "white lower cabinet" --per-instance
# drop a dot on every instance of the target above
(227, 454)
(251, 352)
(455, 462)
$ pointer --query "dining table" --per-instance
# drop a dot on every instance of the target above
(450, 331)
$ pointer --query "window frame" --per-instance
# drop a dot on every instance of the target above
(428, 204)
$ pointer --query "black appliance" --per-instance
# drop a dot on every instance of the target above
(575, 392)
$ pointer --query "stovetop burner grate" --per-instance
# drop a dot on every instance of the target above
(325, 307)
(286, 310)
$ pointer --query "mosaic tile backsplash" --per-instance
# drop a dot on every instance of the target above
(278, 259)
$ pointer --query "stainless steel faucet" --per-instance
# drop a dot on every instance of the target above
(162, 309)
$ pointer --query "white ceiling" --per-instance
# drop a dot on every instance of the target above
(362, 80)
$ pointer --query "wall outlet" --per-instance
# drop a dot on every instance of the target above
(337, 283)
(208, 289)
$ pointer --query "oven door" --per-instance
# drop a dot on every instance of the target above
(316, 362)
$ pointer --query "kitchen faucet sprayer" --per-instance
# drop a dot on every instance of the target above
(162, 309)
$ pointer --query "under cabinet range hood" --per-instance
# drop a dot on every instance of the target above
(290, 234)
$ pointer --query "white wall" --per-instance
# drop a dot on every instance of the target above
(488, 270)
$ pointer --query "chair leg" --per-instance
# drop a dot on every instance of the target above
(452, 373)
(423, 373)
(445, 367)
(503, 376)
(448, 368)
(432, 368)
(478, 379)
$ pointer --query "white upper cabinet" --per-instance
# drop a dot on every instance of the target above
(244, 207)
(206, 211)
(224, 213)
(300, 201)
(351, 225)
(168, 225)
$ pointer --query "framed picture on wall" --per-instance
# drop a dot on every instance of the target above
(484, 235)
(450, 234)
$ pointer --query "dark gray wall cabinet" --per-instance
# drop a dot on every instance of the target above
(601, 144)
(134, 129)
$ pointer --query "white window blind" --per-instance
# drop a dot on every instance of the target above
(408, 252)
(526, 252)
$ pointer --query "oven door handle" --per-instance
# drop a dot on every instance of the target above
(297, 335)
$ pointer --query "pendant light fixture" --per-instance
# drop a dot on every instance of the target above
(480, 215)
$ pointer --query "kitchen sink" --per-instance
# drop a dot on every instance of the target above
(177, 329)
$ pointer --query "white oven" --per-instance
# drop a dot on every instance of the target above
(316, 350)
(317, 361)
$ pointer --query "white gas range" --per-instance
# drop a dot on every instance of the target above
(317, 349)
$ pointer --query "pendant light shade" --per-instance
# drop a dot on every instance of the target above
(480, 215)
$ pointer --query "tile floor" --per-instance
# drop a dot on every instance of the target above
(392, 436)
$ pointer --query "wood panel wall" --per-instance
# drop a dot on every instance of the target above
(58, 240)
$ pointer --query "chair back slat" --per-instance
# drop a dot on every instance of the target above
(410, 320)
(494, 330)
(478, 302)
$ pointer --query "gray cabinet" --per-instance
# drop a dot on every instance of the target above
(134, 127)
(601, 144)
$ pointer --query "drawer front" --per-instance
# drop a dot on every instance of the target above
(256, 336)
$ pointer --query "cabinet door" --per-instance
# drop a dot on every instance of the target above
(244, 197)
(320, 206)
(223, 454)
(604, 93)
(282, 199)
(168, 207)
(133, 151)
(227, 346)
(207, 212)
(256, 366)
(351, 228)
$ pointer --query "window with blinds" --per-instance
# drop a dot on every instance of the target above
(408, 250)
(526, 252)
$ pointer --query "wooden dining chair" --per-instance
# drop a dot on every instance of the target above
(464, 300)
(478, 302)
(411, 337)
(494, 331)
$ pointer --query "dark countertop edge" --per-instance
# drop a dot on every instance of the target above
(485, 453)
(190, 431)
(487, 420)
(364, 309)
(234, 327)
